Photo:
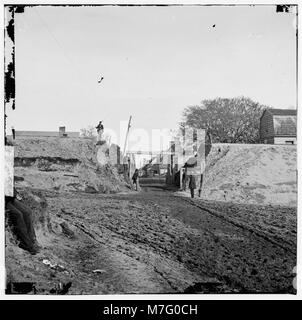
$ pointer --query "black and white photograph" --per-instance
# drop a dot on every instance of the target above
(150, 149)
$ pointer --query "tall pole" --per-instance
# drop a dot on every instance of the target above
(129, 125)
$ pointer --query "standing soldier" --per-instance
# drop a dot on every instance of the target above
(100, 130)
(135, 179)
(192, 185)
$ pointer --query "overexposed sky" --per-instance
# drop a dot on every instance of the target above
(155, 61)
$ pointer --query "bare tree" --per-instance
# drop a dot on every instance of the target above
(88, 132)
(234, 120)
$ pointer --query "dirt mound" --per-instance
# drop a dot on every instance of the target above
(26, 273)
(67, 165)
(255, 174)
(54, 166)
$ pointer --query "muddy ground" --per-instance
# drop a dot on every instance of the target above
(157, 241)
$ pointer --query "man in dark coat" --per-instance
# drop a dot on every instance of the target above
(99, 127)
(135, 179)
(192, 185)
(21, 221)
(100, 130)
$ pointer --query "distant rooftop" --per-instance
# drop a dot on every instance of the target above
(282, 112)
(285, 126)
(45, 134)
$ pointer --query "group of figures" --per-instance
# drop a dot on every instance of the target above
(185, 177)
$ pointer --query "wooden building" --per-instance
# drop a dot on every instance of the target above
(278, 126)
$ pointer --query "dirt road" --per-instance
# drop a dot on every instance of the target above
(156, 241)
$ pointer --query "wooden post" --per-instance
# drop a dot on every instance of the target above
(129, 167)
(126, 139)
